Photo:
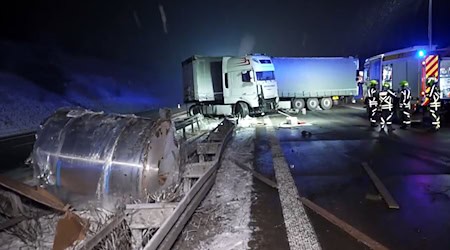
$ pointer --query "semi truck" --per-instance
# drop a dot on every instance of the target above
(414, 65)
(230, 85)
(315, 81)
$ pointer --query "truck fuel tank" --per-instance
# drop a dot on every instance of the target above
(93, 153)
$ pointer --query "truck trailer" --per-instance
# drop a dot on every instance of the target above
(230, 85)
(316, 81)
(414, 65)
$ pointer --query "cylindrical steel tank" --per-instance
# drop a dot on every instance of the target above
(105, 154)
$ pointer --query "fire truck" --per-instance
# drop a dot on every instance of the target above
(415, 65)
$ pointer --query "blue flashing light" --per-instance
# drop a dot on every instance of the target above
(421, 53)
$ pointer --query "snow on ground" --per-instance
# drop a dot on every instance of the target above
(222, 219)
(23, 105)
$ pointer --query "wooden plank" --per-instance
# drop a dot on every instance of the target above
(257, 175)
(380, 187)
(363, 238)
(196, 170)
(208, 147)
(158, 205)
(37, 194)
(107, 229)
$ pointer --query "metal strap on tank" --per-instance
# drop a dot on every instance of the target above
(108, 161)
(61, 139)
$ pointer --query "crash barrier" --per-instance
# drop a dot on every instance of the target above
(190, 121)
(157, 225)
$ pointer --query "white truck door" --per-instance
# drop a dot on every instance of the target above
(241, 87)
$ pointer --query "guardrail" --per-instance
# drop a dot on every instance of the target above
(165, 221)
(190, 121)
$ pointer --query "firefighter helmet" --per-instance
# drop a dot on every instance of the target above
(404, 83)
(431, 81)
(373, 83)
(386, 85)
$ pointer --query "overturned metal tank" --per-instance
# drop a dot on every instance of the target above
(86, 152)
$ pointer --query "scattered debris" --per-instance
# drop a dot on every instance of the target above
(374, 197)
(257, 175)
(36, 194)
(69, 229)
(380, 186)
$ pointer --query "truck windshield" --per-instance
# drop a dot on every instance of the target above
(265, 75)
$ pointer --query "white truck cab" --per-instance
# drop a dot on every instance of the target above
(247, 85)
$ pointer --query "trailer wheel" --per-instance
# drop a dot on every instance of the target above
(242, 110)
(326, 103)
(312, 103)
(195, 109)
(298, 103)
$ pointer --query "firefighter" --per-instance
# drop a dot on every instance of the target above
(433, 101)
(372, 97)
(386, 102)
(405, 104)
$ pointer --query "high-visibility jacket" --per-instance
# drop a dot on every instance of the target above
(372, 97)
(387, 99)
(405, 98)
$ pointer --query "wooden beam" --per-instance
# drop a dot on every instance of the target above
(97, 238)
(355, 233)
(208, 147)
(196, 170)
(381, 188)
(257, 175)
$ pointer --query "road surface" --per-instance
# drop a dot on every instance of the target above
(326, 168)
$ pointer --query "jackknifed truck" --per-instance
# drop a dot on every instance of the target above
(315, 81)
(230, 85)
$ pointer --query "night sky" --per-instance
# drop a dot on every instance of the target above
(132, 32)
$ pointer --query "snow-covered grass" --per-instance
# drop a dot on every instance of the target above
(37, 80)
(24, 105)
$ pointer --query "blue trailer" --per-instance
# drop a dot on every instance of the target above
(315, 80)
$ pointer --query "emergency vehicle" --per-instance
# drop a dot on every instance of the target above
(415, 65)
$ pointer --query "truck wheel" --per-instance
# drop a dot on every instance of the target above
(312, 103)
(326, 103)
(195, 109)
(298, 103)
(242, 110)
